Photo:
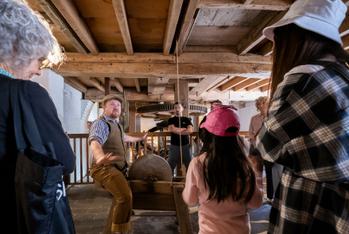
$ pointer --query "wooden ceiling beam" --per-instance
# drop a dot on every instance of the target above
(268, 5)
(174, 11)
(131, 95)
(159, 70)
(187, 26)
(75, 83)
(266, 49)
(231, 83)
(154, 58)
(246, 83)
(138, 86)
(117, 84)
(264, 88)
(58, 20)
(256, 35)
(120, 12)
(97, 84)
(257, 85)
(71, 15)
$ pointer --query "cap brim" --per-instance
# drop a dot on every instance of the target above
(308, 23)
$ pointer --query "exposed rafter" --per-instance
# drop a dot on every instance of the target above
(271, 5)
(172, 20)
(246, 83)
(68, 10)
(117, 84)
(231, 83)
(189, 21)
(120, 12)
(75, 83)
(257, 85)
(138, 86)
(264, 88)
(97, 84)
(58, 20)
(206, 84)
(256, 35)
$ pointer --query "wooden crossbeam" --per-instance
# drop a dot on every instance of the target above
(190, 70)
(117, 84)
(120, 12)
(270, 5)
(256, 35)
(188, 23)
(58, 20)
(257, 85)
(97, 84)
(172, 20)
(231, 83)
(75, 83)
(71, 15)
(154, 58)
(246, 83)
(264, 88)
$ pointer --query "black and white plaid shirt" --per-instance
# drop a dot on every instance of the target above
(307, 131)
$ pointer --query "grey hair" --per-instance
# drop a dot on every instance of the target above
(25, 36)
(260, 100)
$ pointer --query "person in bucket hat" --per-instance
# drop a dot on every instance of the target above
(221, 179)
(306, 129)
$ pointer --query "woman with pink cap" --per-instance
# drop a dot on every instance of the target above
(307, 127)
(221, 180)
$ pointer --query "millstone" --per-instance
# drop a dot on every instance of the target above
(150, 167)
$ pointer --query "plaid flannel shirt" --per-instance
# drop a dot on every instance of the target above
(307, 131)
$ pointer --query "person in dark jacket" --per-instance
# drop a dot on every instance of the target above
(25, 43)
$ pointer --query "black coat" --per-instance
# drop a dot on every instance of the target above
(50, 129)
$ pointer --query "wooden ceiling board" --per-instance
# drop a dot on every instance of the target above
(211, 35)
(100, 18)
(147, 32)
(147, 9)
(227, 17)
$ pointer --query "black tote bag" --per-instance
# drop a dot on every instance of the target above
(42, 205)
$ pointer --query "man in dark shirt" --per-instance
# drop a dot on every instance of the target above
(180, 128)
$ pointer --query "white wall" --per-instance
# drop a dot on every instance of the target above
(72, 110)
(245, 114)
(54, 84)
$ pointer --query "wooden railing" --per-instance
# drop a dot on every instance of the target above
(156, 142)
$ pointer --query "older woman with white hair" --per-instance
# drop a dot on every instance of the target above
(26, 44)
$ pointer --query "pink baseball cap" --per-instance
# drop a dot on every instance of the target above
(220, 119)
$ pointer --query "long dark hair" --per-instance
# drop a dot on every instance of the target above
(227, 171)
(295, 46)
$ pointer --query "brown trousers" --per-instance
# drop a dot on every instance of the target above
(115, 182)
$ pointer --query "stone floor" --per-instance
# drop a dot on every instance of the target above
(90, 206)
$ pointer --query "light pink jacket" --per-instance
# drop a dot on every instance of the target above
(227, 216)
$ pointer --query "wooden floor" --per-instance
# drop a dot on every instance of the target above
(90, 206)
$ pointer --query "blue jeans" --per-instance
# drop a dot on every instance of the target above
(175, 156)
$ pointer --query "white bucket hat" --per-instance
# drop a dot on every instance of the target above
(320, 16)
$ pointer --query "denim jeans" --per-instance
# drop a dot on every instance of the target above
(175, 156)
(120, 211)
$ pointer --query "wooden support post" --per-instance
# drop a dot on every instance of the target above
(132, 117)
(107, 85)
(182, 211)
